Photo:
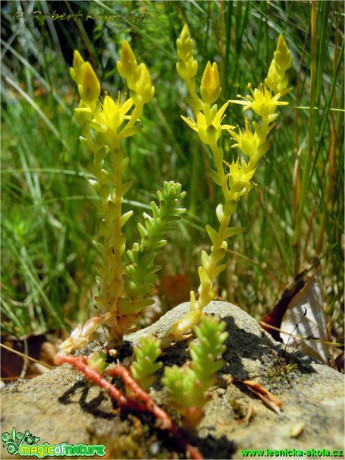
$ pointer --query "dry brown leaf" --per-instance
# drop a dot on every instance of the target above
(305, 317)
(266, 397)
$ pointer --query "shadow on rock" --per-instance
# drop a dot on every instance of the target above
(242, 344)
(92, 406)
(212, 447)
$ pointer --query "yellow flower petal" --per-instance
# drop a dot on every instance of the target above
(220, 113)
(190, 123)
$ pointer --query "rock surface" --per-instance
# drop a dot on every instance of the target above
(60, 406)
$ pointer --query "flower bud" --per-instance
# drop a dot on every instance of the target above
(75, 71)
(210, 88)
(144, 86)
(277, 80)
(283, 55)
(185, 34)
(127, 64)
(90, 86)
(187, 66)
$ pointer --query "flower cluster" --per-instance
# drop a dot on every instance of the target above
(263, 101)
(108, 116)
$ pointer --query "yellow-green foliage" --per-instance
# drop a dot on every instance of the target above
(145, 365)
(97, 361)
(124, 279)
(105, 123)
(141, 270)
(235, 178)
(187, 386)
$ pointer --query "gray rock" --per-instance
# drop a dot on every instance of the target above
(60, 406)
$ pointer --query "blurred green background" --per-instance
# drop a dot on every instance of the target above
(48, 216)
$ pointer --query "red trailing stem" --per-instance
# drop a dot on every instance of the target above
(146, 403)
(142, 395)
(80, 363)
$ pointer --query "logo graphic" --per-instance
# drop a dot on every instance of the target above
(14, 443)
(27, 445)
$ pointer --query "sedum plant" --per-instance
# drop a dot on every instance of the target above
(187, 386)
(144, 366)
(235, 178)
(124, 278)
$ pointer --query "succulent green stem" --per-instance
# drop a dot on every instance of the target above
(141, 269)
(117, 240)
(235, 178)
(187, 386)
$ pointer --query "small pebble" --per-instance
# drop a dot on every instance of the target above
(296, 430)
(154, 448)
